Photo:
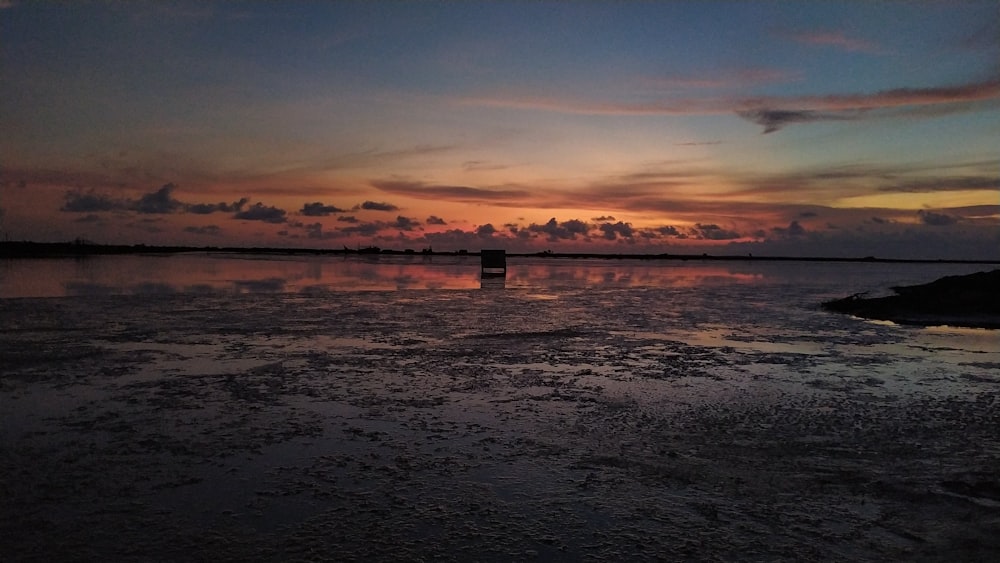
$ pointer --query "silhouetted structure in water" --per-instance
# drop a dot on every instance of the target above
(493, 264)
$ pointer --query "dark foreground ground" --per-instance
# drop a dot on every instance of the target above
(299, 428)
(971, 300)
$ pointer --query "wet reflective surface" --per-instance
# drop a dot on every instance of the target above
(235, 273)
(204, 407)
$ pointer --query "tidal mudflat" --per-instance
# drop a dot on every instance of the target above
(633, 413)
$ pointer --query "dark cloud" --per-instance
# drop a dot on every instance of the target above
(794, 229)
(435, 220)
(808, 214)
(575, 226)
(210, 230)
(458, 239)
(713, 232)
(208, 208)
(315, 231)
(260, 212)
(364, 229)
(880, 221)
(159, 202)
(891, 241)
(317, 209)
(670, 231)
(155, 203)
(774, 119)
(486, 230)
(936, 219)
(987, 212)
(347, 219)
(89, 202)
(91, 218)
(405, 223)
(603, 218)
(567, 230)
(376, 206)
(614, 230)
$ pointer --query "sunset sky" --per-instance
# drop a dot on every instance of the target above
(783, 128)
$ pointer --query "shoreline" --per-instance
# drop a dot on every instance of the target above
(968, 301)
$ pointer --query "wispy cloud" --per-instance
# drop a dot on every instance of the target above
(834, 38)
(466, 194)
(376, 157)
(697, 143)
(896, 97)
(836, 183)
(679, 106)
(739, 78)
(943, 184)
(775, 112)
(480, 165)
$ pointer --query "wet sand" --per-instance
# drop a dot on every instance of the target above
(380, 427)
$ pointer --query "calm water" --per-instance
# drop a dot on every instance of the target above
(213, 273)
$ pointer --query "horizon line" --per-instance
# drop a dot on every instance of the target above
(80, 247)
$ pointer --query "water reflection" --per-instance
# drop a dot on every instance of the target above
(234, 273)
(492, 282)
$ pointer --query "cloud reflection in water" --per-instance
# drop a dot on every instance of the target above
(214, 273)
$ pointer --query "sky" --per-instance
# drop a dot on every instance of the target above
(837, 129)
